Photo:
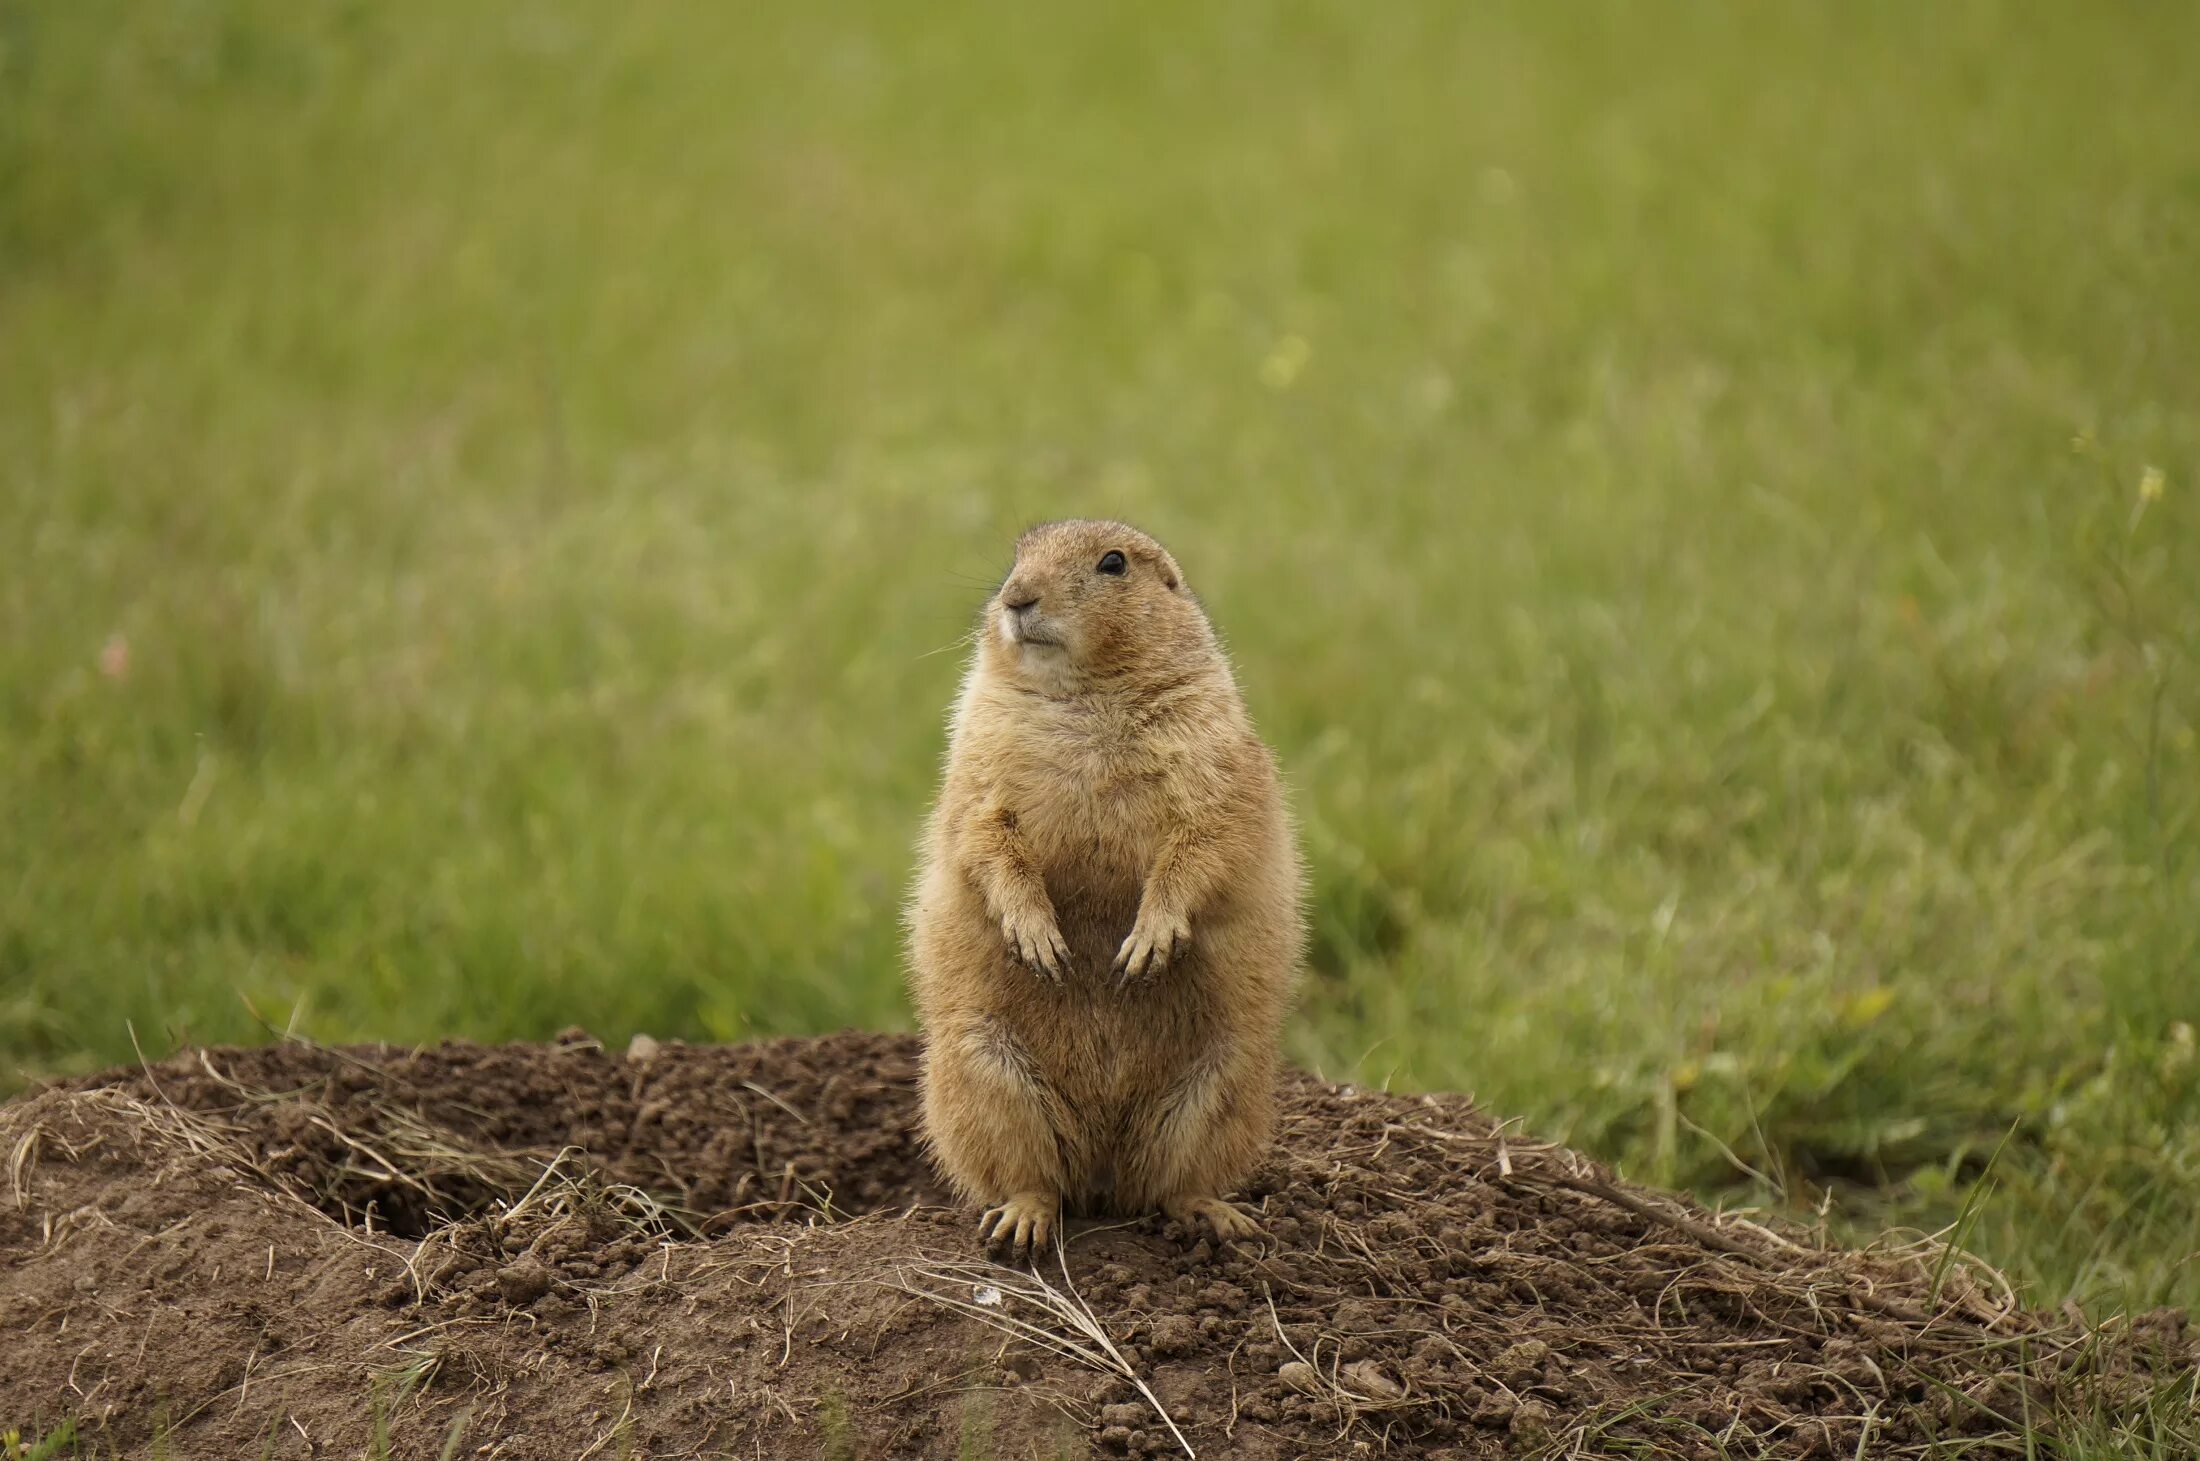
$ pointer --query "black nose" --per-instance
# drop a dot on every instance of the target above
(1019, 601)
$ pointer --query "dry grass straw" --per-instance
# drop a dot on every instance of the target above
(431, 1177)
(1921, 1314)
(1062, 1321)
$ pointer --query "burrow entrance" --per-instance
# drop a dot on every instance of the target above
(685, 1140)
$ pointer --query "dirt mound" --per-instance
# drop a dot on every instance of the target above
(563, 1251)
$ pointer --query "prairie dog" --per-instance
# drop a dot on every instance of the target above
(1106, 928)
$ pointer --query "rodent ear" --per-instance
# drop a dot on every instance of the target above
(1168, 580)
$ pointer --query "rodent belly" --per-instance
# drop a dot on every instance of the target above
(1095, 917)
(1111, 1056)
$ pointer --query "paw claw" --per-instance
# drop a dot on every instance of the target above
(1153, 944)
(1023, 1225)
(1040, 947)
(1228, 1223)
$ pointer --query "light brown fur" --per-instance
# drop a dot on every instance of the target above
(1106, 930)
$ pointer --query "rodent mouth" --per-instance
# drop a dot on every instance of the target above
(1027, 635)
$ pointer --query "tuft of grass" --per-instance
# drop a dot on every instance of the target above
(455, 1436)
(378, 1421)
(837, 1426)
(37, 1445)
(974, 1440)
(493, 504)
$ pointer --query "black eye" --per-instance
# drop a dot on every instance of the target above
(1113, 563)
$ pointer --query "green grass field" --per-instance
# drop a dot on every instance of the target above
(1705, 501)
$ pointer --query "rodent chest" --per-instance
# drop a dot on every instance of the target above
(1093, 859)
(1101, 832)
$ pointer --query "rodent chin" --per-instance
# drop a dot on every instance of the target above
(1031, 642)
(1043, 663)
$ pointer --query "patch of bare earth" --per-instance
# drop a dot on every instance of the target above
(561, 1251)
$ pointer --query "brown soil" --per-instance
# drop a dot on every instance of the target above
(563, 1251)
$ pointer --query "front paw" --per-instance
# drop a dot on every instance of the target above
(1225, 1221)
(1023, 1225)
(1037, 941)
(1156, 939)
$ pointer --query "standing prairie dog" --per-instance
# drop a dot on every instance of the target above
(1106, 930)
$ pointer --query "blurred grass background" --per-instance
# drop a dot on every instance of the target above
(1702, 498)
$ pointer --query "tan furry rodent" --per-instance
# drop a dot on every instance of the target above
(1106, 929)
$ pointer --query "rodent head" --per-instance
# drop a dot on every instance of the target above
(1091, 601)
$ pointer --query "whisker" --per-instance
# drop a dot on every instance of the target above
(968, 637)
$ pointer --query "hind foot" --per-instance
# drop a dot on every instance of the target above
(1023, 1225)
(1218, 1217)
